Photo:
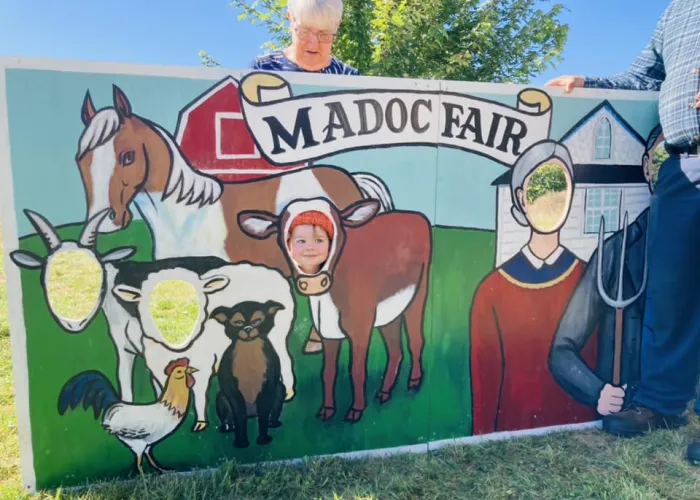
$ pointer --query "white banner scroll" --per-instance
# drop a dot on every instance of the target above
(304, 128)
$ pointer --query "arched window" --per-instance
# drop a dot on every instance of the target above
(603, 139)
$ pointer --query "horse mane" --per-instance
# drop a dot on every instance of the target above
(101, 129)
(189, 185)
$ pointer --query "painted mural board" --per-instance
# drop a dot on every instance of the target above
(460, 294)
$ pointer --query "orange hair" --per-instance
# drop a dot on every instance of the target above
(313, 218)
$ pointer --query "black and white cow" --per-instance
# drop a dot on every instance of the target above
(125, 301)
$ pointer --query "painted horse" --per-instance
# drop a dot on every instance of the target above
(126, 160)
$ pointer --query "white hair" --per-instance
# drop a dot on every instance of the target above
(528, 162)
(320, 14)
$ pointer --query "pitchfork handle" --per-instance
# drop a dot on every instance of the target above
(618, 347)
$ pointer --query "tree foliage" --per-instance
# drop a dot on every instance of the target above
(660, 155)
(472, 40)
(548, 178)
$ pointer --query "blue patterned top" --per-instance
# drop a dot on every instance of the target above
(277, 61)
(670, 63)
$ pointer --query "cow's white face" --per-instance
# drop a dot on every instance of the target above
(144, 296)
(259, 224)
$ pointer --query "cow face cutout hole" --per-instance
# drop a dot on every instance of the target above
(174, 308)
(547, 197)
(73, 282)
(309, 241)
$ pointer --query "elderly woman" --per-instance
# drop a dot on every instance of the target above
(517, 307)
(314, 25)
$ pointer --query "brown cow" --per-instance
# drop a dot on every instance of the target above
(376, 274)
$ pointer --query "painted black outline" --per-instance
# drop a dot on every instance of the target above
(423, 280)
(439, 94)
(585, 233)
(100, 415)
(571, 176)
(588, 116)
(155, 128)
(97, 309)
(200, 97)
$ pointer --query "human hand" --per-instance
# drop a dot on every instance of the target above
(697, 101)
(568, 82)
(611, 399)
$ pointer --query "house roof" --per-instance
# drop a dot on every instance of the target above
(605, 104)
(597, 173)
(594, 174)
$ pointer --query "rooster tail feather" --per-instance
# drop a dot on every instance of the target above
(92, 389)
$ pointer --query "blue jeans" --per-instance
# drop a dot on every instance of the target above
(670, 359)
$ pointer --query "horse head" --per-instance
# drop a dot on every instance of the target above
(118, 156)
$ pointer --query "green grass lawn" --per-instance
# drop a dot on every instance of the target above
(572, 465)
(73, 448)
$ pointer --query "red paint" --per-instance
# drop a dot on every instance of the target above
(511, 334)
(376, 257)
(197, 136)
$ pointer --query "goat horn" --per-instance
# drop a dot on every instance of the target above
(88, 237)
(45, 229)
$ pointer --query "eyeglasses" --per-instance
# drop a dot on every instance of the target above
(323, 36)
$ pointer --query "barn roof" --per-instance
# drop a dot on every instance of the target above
(594, 174)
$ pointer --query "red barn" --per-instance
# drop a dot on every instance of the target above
(213, 135)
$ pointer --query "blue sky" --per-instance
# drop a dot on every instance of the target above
(604, 38)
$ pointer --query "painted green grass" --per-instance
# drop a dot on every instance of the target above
(571, 465)
(441, 409)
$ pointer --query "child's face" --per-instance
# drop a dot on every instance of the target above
(309, 247)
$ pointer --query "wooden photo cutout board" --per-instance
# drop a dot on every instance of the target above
(455, 294)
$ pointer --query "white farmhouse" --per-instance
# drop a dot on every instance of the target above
(609, 180)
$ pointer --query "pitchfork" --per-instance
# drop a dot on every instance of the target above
(618, 303)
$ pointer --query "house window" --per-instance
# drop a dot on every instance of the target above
(603, 140)
(602, 202)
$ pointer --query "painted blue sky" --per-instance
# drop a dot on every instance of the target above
(605, 36)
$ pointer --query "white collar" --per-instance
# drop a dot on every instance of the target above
(536, 262)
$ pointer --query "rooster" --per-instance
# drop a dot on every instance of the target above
(138, 426)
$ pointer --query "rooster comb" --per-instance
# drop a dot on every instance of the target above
(184, 362)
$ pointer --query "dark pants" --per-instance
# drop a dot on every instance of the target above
(670, 359)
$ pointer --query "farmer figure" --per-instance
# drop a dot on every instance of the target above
(670, 359)
(314, 25)
(589, 312)
(517, 307)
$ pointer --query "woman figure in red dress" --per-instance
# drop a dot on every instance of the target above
(517, 307)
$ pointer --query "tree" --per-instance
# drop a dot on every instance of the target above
(472, 40)
(208, 60)
(548, 178)
(659, 156)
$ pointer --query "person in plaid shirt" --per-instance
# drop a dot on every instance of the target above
(670, 359)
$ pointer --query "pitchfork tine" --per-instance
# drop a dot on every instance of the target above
(599, 274)
(622, 259)
(618, 302)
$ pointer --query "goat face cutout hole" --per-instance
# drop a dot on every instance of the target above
(548, 194)
(73, 283)
(174, 308)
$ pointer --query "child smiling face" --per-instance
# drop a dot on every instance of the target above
(309, 246)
